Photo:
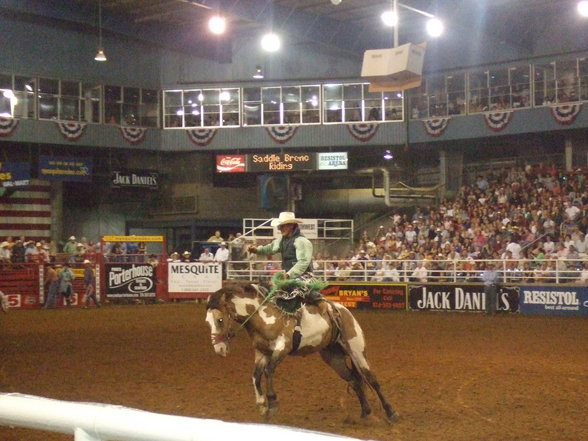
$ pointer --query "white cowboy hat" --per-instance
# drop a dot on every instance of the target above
(285, 217)
(87, 261)
(187, 253)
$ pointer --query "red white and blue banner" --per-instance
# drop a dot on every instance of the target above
(497, 121)
(7, 126)
(436, 126)
(71, 130)
(363, 132)
(565, 114)
(61, 168)
(27, 212)
(281, 134)
(201, 137)
(554, 300)
(133, 135)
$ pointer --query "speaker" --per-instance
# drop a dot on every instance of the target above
(397, 68)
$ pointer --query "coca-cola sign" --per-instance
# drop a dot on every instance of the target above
(230, 163)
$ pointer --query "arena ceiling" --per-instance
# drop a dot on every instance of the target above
(349, 28)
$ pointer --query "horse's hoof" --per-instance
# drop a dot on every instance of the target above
(394, 417)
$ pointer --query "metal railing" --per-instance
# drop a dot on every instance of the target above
(449, 271)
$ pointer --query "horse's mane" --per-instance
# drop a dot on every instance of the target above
(231, 288)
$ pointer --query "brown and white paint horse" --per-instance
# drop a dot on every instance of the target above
(330, 330)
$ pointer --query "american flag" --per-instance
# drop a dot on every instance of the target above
(26, 211)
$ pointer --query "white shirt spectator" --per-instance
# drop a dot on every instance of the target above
(515, 249)
(420, 273)
(571, 211)
(222, 253)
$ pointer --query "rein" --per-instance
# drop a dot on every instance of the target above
(268, 297)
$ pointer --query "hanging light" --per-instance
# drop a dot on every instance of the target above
(388, 155)
(582, 7)
(217, 24)
(435, 27)
(100, 56)
(258, 75)
(270, 42)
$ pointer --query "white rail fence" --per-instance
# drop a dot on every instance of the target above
(101, 422)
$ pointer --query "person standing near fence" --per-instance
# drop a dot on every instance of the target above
(490, 278)
(90, 285)
(66, 278)
(52, 283)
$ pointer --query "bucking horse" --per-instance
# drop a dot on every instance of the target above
(327, 328)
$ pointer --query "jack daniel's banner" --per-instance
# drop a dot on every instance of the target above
(143, 179)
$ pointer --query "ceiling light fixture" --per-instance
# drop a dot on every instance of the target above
(388, 155)
(258, 75)
(583, 8)
(270, 42)
(217, 24)
(100, 56)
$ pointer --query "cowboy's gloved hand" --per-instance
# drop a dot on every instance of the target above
(283, 275)
(252, 249)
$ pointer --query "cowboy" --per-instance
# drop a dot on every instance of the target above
(296, 251)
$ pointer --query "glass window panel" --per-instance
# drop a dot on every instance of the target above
(193, 97)
(271, 113)
(583, 72)
(131, 95)
(290, 94)
(211, 96)
(373, 109)
(437, 96)
(130, 114)
(230, 115)
(193, 115)
(455, 86)
(70, 88)
(271, 95)
(567, 80)
(292, 113)
(521, 86)
(418, 101)
(172, 98)
(5, 82)
(251, 94)
(499, 89)
(333, 111)
(69, 109)
(91, 102)
(479, 94)
(229, 96)
(353, 110)
(393, 106)
(112, 93)
(149, 96)
(47, 107)
(112, 113)
(211, 114)
(148, 115)
(544, 79)
(24, 90)
(5, 105)
(310, 96)
(251, 114)
(48, 86)
(353, 92)
(333, 92)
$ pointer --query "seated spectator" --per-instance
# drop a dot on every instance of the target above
(206, 256)
(343, 271)
(186, 256)
(70, 246)
(420, 274)
(5, 255)
(584, 275)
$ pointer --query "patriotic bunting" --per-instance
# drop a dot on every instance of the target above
(436, 126)
(363, 132)
(133, 135)
(7, 126)
(281, 134)
(565, 114)
(71, 130)
(497, 121)
(201, 137)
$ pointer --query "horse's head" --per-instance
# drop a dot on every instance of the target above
(220, 315)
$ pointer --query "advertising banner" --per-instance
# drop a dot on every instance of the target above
(332, 161)
(194, 277)
(230, 163)
(55, 168)
(272, 162)
(15, 174)
(140, 179)
(554, 300)
(460, 298)
(367, 295)
(130, 280)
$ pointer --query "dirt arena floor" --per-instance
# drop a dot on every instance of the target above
(451, 376)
